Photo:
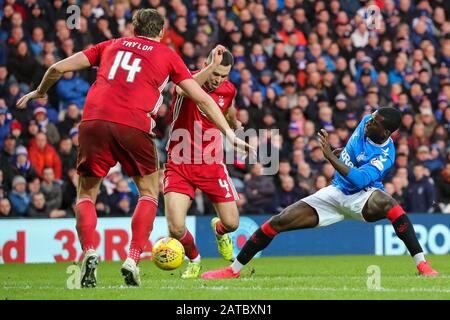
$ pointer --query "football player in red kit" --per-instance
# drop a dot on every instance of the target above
(195, 160)
(117, 127)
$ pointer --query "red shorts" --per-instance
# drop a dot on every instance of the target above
(103, 144)
(212, 179)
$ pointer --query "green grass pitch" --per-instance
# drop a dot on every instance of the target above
(328, 277)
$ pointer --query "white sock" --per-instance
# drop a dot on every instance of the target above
(196, 259)
(418, 258)
(236, 266)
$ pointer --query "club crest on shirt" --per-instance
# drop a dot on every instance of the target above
(361, 157)
(221, 101)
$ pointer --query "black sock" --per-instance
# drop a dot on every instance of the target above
(257, 242)
(405, 231)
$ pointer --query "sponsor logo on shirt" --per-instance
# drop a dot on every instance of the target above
(346, 158)
(378, 163)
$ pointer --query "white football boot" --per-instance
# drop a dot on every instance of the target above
(89, 269)
(130, 273)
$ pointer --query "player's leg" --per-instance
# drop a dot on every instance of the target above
(85, 212)
(136, 152)
(176, 207)
(144, 213)
(299, 215)
(380, 205)
(86, 217)
(93, 162)
(179, 190)
(226, 222)
(214, 181)
(141, 224)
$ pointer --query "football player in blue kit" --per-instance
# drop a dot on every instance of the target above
(356, 192)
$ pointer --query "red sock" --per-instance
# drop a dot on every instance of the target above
(395, 212)
(268, 230)
(220, 228)
(189, 246)
(86, 223)
(142, 225)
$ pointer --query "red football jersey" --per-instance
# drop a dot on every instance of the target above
(132, 72)
(191, 127)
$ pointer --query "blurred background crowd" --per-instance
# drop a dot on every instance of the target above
(300, 66)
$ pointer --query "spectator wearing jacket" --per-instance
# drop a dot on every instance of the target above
(21, 166)
(72, 89)
(68, 156)
(420, 194)
(288, 193)
(5, 124)
(442, 180)
(50, 130)
(121, 201)
(8, 151)
(38, 208)
(21, 64)
(19, 197)
(43, 155)
(260, 190)
(71, 118)
(51, 189)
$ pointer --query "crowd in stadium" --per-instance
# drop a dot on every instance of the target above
(299, 66)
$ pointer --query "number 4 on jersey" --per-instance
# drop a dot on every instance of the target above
(123, 59)
(224, 184)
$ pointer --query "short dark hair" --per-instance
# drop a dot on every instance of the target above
(227, 58)
(39, 193)
(392, 118)
(148, 23)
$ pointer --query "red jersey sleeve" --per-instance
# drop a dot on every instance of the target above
(179, 71)
(94, 53)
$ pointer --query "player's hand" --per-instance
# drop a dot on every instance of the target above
(237, 125)
(325, 144)
(22, 102)
(243, 147)
(240, 145)
(218, 55)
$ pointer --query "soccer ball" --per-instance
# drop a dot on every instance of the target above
(168, 253)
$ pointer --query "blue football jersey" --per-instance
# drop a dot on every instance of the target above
(371, 159)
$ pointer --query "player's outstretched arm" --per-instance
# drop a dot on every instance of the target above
(73, 63)
(213, 112)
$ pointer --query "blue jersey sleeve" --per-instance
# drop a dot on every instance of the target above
(370, 172)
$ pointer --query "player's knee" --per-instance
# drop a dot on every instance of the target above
(383, 202)
(147, 187)
(147, 192)
(87, 196)
(276, 222)
(176, 231)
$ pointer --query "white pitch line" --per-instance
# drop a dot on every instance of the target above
(224, 288)
(312, 277)
(202, 287)
(218, 288)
